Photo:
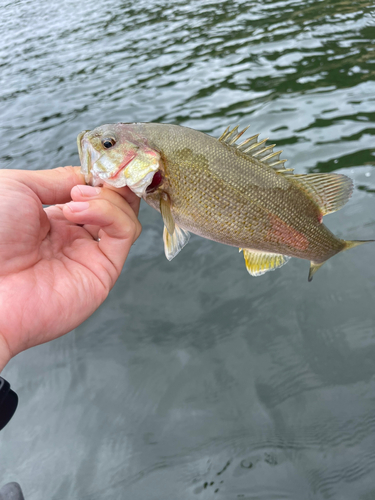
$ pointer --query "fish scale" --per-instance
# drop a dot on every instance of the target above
(239, 195)
(249, 192)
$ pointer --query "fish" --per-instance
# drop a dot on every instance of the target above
(239, 194)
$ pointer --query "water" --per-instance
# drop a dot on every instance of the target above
(194, 380)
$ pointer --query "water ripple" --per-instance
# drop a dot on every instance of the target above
(193, 380)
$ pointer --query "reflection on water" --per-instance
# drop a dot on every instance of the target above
(195, 380)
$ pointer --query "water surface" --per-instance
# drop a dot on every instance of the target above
(195, 380)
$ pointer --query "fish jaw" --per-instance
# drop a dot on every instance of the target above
(88, 157)
(128, 165)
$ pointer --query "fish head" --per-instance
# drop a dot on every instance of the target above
(119, 156)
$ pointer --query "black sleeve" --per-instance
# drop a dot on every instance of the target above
(8, 403)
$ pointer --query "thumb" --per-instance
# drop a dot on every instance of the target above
(51, 186)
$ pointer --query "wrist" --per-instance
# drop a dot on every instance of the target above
(5, 354)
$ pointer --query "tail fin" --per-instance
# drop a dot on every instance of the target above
(314, 266)
(355, 243)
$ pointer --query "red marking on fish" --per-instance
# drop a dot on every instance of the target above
(128, 158)
(151, 152)
(280, 232)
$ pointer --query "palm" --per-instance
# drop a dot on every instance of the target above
(53, 272)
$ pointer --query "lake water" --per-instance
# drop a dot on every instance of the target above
(195, 380)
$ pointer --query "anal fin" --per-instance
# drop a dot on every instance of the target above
(175, 242)
(258, 263)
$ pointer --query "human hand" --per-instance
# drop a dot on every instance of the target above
(57, 264)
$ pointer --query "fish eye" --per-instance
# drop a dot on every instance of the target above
(108, 142)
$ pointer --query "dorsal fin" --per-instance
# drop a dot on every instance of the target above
(251, 147)
(329, 191)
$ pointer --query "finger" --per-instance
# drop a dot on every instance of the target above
(117, 232)
(56, 212)
(85, 193)
(51, 186)
(128, 195)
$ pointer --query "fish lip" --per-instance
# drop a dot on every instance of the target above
(79, 138)
(88, 156)
(79, 142)
(82, 151)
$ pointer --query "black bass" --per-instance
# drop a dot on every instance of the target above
(238, 194)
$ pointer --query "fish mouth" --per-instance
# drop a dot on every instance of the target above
(79, 139)
(81, 151)
(88, 157)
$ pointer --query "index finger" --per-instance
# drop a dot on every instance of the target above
(51, 186)
(128, 195)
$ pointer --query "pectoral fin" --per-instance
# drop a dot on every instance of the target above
(258, 263)
(174, 237)
(175, 242)
(165, 210)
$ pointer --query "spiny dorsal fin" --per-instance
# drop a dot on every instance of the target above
(251, 147)
(258, 263)
(329, 191)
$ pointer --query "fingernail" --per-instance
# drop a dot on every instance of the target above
(88, 190)
(78, 206)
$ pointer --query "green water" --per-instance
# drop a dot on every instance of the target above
(195, 380)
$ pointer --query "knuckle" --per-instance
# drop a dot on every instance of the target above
(65, 172)
(138, 229)
(131, 230)
(62, 170)
(105, 205)
(70, 172)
